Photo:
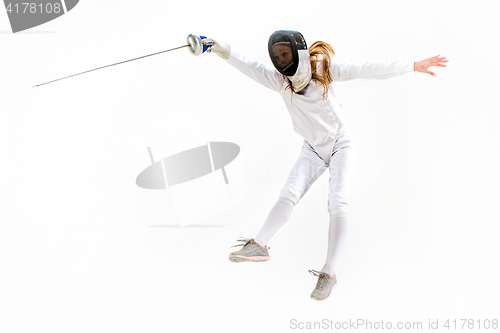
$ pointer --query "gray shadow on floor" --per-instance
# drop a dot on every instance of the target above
(27, 32)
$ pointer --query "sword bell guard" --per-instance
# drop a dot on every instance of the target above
(199, 44)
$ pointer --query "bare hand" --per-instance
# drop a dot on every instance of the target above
(423, 65)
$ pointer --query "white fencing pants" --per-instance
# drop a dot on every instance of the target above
(309, 166)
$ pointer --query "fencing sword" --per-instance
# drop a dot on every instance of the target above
(197, 45)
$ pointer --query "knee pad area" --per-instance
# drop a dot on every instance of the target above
(288, 198)
(287, 201)
(338, 210)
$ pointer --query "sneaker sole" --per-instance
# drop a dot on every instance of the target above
(322, 299)
(236, 258)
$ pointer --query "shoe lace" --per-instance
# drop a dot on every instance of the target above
(323, 278)
(245, 242)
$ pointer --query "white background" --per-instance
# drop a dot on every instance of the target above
(83, 249)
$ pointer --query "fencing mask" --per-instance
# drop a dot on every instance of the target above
(289, 54)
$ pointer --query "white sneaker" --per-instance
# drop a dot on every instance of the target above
(251, 251)
(324, 285)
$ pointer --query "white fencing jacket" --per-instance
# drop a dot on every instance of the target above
(316, 119)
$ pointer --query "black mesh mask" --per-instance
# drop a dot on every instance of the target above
(292, 39)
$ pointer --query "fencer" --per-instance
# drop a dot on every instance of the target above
(306, 78)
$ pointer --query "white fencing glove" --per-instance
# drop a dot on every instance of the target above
(223, 50)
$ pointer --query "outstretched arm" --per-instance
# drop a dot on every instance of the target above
(253, 69)
(377, 70)
(423, 65)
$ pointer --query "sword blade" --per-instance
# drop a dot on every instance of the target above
(149, 55)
